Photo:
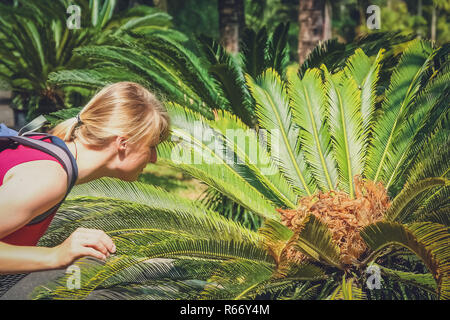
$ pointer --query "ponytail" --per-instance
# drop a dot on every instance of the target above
(124, 109)
(65, 130)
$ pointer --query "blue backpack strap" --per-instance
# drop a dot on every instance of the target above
(59, 151)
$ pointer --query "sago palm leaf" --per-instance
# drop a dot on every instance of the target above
(216, 201)
(398, 212)
(274, 114)
(346, 126)
(429, 241)
(426, 118)
(254, 48)
(234, 278)
(275, 287)
(433, 160)
(308, 108)
(435, 208)
(101, 205)
(422, 281)
(347, 290)
(141, 232)
(93, 276)
(204, 153)
(278, 49)
(226, 69)
(405, 83)
(315, 240)
(366, 73)
(275, 237)
(246, 145)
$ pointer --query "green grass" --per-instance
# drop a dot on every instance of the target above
(172, 180)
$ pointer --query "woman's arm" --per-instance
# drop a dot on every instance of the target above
(30, 189)
(18, 259)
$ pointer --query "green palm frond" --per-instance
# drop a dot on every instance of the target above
(158, 278)
(234, 279)
(106, 204)
(273, 231)
(436, 208)
(315, 240)
(203, 153)
(124, 217)
(328, 53)
(216, 201)
(429, 241)
(424, 281)
(246, 145)
(347, 290)
(92, 79)
(254, 48)
(427, 121)
(227, 70)
(147, 66)
(278, 49)
(308, 108)
(271, 287)
(142, 232)
(401, 207)
(384, 153)
(346, 126)
(333, 53)
(222, 178)
(136, 192)
(366, 73)
(93, 276)
(304, 291)
(433, 160)
(164, 289)
(275, 116)
(275, 237)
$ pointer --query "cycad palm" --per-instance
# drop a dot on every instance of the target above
(37, 41)
(323, 130)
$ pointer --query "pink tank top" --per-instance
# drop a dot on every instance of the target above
(28, 235)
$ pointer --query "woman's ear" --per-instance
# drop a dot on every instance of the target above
(121, 144)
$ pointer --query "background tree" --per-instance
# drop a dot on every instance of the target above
(231, 23)
(36, 41)
(312, 26)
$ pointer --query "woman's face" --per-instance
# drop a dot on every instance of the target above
(134, 159)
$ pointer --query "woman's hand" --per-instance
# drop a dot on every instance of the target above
(83, 242)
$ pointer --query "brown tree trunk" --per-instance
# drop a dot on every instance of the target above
(433, 23)
(231, 23)
(161, 4)
(311, 21)
(327, 21)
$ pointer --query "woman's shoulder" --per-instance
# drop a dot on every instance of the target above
(40, 160)
(32, 188)
(48, 173)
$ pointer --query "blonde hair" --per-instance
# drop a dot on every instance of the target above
(123, 109)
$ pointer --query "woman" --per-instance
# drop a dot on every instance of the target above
(114, 135)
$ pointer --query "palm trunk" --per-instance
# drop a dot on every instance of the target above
(231, 23)
(161, 4)
(327, 21)
(433, 23)
(311, 21)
